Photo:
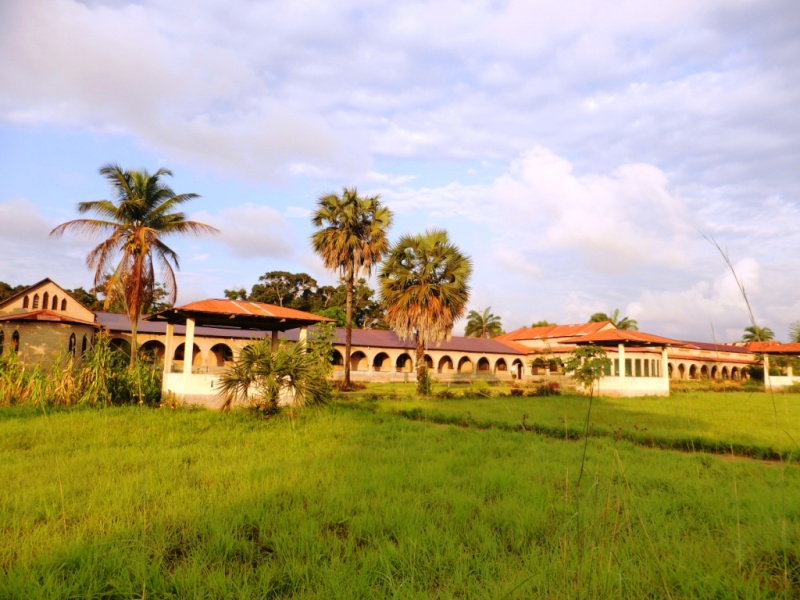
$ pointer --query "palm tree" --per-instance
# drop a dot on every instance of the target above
(144, 211)
(794, 332)
(483, 325)
(625, 323)
(423, 284)
(754, 333)
(351, 239)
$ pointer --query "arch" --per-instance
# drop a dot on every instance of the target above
(735, 374)
(84, 345)
(219, 355)
(500, 366)
(483, 365)
(381, 362)
(404, 364)
(46, 301)
(179, 355)
(64, 304)
(358, 361)
(428, 361)
(26, 302)
(681, 371)
(337, 360)
(517, 368)
(120, 344)
(54, 306)
(724, 373)
(445, 365)
(693, 372)
(464, 365)
(153, 349)
(714, 372)
(35, 301)
(704, 371)
(670, 371)
(2, 339)
(15, 341)
(73, 344)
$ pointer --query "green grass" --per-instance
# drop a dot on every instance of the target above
(747, 424)
(349, 503)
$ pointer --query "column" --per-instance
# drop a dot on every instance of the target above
(664, 363)
(275, 340)
(188, 351)
(621, 351)
(169, 345)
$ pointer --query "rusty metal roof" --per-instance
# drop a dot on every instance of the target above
(47, 316)
(239, 314)
(553, 331)
(774, 348)
(622, 336)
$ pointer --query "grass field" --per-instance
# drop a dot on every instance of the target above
(354, 501)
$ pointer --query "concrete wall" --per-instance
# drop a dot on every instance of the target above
(41, 343)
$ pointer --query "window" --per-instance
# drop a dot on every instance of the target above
(84, 345)
(35, 301)
(55, 303)
(64, 304)
(15, 341)
(26, 302)
(72, 343)
(2, 339)
(45, 300)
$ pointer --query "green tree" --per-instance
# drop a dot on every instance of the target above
(483, 324)
(754, 333)
(794, 332)
(424, 286)
(145, 211)
(544, 323)
(7, 290)
(624, 323)
(282, 288)
(351, 238)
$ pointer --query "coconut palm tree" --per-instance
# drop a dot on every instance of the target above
(794, 332)
(143, 212)
(625, 323)
(483, 325)
(754, 333)
(424, 285)
(351, 239)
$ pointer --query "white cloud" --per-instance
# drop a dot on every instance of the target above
(251, 231)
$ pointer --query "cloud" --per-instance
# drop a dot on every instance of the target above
(251, 231)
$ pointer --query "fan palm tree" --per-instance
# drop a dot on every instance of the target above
(144, 212)
(625, 323)
(351, 239)
(424, 286)
(483, 325)
(754, 333)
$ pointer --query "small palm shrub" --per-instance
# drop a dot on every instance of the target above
(264, 378)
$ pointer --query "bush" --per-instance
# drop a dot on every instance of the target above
(551, 388)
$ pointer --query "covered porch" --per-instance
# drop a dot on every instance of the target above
(200, 388)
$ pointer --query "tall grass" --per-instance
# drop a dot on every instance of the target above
(342, 503)
(102, 376)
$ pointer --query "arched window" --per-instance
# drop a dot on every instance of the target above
(64, 304)
(45, 301)
(2, 339)
(35, 301)
(55, 303)
(72, 343)
(15, 341)
(84, 345)
(26, 302)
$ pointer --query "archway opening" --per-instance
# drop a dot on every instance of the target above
(382, 363)
(404, 364)
(464, 366)
(445, 365)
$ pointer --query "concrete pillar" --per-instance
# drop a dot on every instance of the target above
(664, 363)
(767, 379)
(303, 335)
(274, 340)
(188, 351)
(169, 345)
(621, 351)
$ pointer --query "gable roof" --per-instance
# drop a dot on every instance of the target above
(554, 331)
(32, 288)
(622, 336)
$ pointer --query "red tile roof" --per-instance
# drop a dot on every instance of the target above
(47, 316)
(621, 336)
(774, 348)
(238, 313)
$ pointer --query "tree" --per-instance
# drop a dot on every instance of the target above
(6, 290)
(754, 333)
(794, 332)
(284, 289)
(424, 286)
(625, 323)
(144, 212)
(544, 323)
(351, 239)
(483, 325)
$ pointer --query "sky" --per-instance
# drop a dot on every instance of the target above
(589, 155)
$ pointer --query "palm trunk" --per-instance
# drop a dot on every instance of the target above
(348, 324)
(421, 367)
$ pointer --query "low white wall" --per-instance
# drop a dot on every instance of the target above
(201, 389)
(632, 386)
(779, 381)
